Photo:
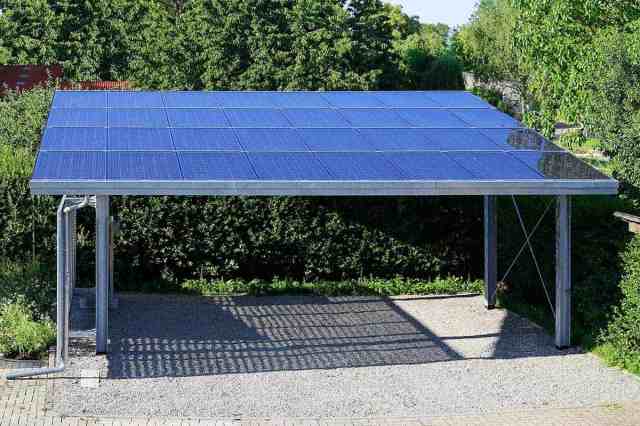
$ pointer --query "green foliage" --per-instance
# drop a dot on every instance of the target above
(485, 44)
(378, 287)
(597, 240)
(176, 238)
(24, 24)
(31, 282)
(622, 336)
(27, 223)
(491, 96)
(20, 335)
(22, 117)
(230, 44)
(613, 115)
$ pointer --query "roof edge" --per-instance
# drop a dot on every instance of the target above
(325, 188)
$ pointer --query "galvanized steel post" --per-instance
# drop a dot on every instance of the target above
(490, 251)
(102, 273)
(563, 272)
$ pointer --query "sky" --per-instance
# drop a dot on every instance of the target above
(451, 12)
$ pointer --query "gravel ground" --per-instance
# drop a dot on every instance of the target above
(330, 357)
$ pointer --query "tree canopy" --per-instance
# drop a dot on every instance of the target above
(230, 44)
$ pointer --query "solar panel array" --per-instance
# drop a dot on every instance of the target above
(111, 136)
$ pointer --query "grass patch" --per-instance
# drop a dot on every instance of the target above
(377, 287)
(613, 356)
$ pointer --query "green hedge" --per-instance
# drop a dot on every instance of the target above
(597, 241)
(622, 336)
(176, 238)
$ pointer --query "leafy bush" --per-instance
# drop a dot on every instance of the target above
(614, 113)
(492, 96)
(20, 335)
(597, 240)
(380, 287)
(622, 336)
(27, 223)
(177, 238)
(22, 118)
(31, 282)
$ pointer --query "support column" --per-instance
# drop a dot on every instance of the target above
(490, 251)
(563, 272)
(102, 273)
(61, 299)
(112, 296)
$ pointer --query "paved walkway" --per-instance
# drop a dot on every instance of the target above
(25, 403)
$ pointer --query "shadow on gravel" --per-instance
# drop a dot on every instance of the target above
(177, 336)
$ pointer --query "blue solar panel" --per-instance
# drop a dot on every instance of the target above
(431, 118)
(288, 138)
(460, 139)
(312, 117)
(352, 100)
(427, 166)
(74, 138)
(406, 99)
(137, 117)
(373, 118)
(288, 166)
(487, 118)
(334, 140)
(299, 100)
(254, 117)
(270, 140)
(457, 100)
(190, 100)
(119, 99)
(139, 139)
(71, 99)
(205, 140)
(398, 139)
(123, 165)
(494, 166)
(216, 166)
(89, 117)
(245, 99)
(197, 117)
(359, 166)
(75, 165)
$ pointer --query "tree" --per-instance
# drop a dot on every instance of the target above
(321, 48)
(612, 112)
(24, 25)
(554, 41)
(372, 55)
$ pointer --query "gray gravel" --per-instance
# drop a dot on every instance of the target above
(330, 357)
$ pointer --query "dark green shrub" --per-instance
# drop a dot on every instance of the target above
(27, 223)
(597, 240)
(30, 282)
(22, 117)
(178, 238)
(492, 96)
(623, 333)
(20, 335)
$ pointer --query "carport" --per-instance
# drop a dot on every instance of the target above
(101, 144)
